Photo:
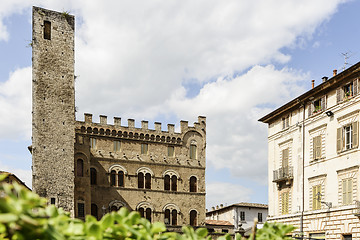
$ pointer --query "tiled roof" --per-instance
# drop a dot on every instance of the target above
(218, 222)
(241, 204)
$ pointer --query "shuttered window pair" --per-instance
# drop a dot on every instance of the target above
(316, 197)
(347, 137)
(285, 158)
(317, 147)
(347, 187)
(286, 122)
(285, 203)
(347, 91)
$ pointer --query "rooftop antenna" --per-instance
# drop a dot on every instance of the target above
(346, 56)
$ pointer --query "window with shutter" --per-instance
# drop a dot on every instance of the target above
(339, 142)
(317, 147)
(347, 186)
(285, 203)
(316, 197)
(285, 158)
(355, 134)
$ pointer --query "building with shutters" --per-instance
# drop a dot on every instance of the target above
(89, 167)
(314, 157)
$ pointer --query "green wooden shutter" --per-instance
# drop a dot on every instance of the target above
(355, 86)
(355, 135)
(339, 140)
(338, 95)
(317, 147)
(349, 191)
(314, 197)
(344, 192)
(323, 103)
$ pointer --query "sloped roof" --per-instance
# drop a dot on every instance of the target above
(218, 222)
(241, 204)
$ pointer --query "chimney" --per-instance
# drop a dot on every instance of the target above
(221, 205)
(213, 208)
(312, 83)
(217, 207)
(324, 78)
(334, 72)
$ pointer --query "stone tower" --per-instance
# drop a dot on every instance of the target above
(53, 116)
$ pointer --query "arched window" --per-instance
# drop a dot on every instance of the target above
(120, 178)
(148, 214)
(167, 217)
(141, 211)
(93, 176)
(79, 168)
(167, 182)
(148, 181)
(193, 184)
(140, 180)
(193, 218)
(94, 210)
(113, 178)
(174, 217)
(173, 183)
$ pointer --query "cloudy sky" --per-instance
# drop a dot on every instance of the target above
(232, 61)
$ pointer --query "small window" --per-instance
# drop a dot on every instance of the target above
(242, 216)
(347, 137)
(120, 178)
(193, 153)
(148, 214)
(148, 181)
(317, 106)
(285, 122)
(81, 210)
(79, 168)
(47, 30)
(316, 195)
(174, 217)
(193, 218)
(140, 180)
(113, 208)
(144, 148)
(52, 201)
(116, 146)
(93, 173)
(167, 182)
(193, 184)
(171, 151)
(348, 90)
(167, 217)
(173, 183)
(347, 187)
(94, 210)
(112, 178)
(93, 143)
(260, 219)
(141, 211)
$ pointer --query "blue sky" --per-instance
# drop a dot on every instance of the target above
(232, 61)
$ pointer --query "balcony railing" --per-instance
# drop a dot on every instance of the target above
(283, 174)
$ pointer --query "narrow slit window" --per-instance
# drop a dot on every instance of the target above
(47, 30)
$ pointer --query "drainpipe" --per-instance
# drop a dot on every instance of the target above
(303, 175)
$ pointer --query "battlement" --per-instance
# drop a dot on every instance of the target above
(116, 130)
(103, 123)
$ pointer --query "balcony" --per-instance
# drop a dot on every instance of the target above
(283, 174)
(356, 210)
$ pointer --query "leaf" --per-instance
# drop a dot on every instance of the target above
(8, 217)
(201, 232)
(158, 227)
(3, 176)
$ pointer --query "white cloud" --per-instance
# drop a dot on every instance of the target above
(15, 102)
(227, 193)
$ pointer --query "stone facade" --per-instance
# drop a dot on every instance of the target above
(93, 168)
(313, 161)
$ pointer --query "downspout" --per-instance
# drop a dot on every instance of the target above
(303, 175)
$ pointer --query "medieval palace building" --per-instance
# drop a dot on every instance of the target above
(93, 168)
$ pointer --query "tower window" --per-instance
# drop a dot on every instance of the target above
(47, 30)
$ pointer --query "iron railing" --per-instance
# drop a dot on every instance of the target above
(283, 173)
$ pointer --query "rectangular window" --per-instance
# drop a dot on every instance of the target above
(193, 153)
(93, 143)
(171, 151)
(144, 148)
(242, 216)
(316, 197)
(317, 147)
(116, 146)
(348, 90)
(260, 217)
(347, 186)
(286, 122)
(347, 137)
(317, 106)
(285, 158)
(47, 30)
(285, 203)
(52, 201)
(81, 210)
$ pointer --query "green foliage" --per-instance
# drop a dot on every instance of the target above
(24, 215)
(274, 231)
